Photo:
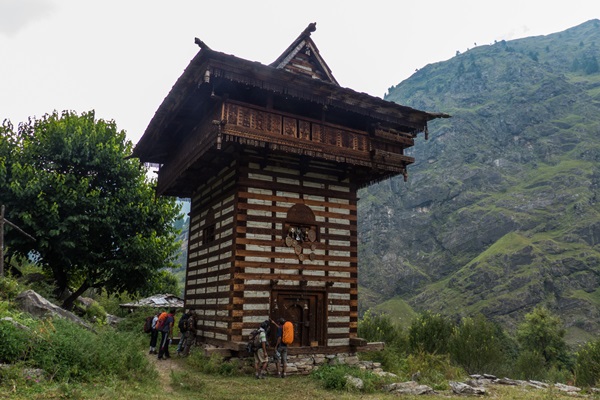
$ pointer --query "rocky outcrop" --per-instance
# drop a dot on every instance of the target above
(408, 388)
(34, 304)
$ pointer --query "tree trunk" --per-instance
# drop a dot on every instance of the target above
(70, 300)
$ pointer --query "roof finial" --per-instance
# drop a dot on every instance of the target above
(201, 44)
(310, 28)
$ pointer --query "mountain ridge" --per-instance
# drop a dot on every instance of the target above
(501, 210)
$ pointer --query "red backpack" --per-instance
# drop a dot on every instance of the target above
(148, 324)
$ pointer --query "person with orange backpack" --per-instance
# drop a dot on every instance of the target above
(165, 326)
(285, 337)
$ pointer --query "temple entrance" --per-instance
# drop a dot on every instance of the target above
(307, 312)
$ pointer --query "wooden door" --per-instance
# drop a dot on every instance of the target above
(306, 310)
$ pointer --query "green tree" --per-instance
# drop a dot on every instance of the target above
(476, 345)
(543, 333)
(67, 180)
(430, 332)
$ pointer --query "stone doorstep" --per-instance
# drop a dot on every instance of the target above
(304, 364)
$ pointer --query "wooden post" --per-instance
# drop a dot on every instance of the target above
(2, 221)
(2, 240)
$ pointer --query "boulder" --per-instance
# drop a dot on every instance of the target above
(355, 382)
(31, 302)
(15, 323)
(464, 389)
(410, 388)
(567, 388)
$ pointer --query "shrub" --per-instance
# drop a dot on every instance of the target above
(95, 313)
(379, 328)
(391, 359)
(430, 333)
(434, 370)
(69, 352)
(15, 342)
(63, 350)
(530, 365)
(334, 377)
(213, 365)
(134, 321)
(476, 346)
(587, 364)
(331, 377)
(9, 288)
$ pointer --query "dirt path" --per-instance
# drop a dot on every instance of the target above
(164, 368)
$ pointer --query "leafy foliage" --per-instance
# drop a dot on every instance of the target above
(335, 377)
(543, 333)
(9, 287)
(530, 365)
(213, 365)
(587, 364)
(430, 333)
(66, 180)
(379, 328)
(15, 342)
(476, 345)
(66, 351)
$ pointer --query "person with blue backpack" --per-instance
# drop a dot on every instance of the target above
(285, 336)
(260, 353)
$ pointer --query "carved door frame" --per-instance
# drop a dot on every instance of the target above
(307, 309)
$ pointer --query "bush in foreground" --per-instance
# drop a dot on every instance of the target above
(587, 365)
(335, 377)
(67, 352)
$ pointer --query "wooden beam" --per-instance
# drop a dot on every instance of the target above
(2, 222)
(358, 342)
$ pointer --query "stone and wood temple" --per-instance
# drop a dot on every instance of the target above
(272, 157)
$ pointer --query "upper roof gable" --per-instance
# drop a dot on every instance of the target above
(302, 57)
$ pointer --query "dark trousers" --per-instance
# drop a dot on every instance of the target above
(164, 346)
(153, 338)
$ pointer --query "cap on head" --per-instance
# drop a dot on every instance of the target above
(264, 324)
(281, 320)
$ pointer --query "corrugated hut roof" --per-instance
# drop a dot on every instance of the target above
(156, 301)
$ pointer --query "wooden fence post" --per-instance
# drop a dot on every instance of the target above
(2, 240)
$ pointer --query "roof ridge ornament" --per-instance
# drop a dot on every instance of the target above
(309, 29)
(203, 45)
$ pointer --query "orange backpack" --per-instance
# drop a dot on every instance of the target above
(288, 333)
(161, 320)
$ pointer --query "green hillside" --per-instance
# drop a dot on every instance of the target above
(502, 208)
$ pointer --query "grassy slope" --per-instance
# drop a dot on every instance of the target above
(184, 384)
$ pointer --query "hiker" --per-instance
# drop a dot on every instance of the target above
(154, 334)
(190, 335)
(182, 329)
(165, 326)
(285, 336)
(260, 354)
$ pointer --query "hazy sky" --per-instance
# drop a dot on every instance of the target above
(121, 57)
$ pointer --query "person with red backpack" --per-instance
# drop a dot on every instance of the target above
(285, 336)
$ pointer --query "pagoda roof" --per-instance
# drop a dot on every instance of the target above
(299, 73)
